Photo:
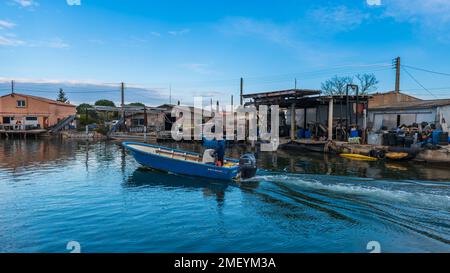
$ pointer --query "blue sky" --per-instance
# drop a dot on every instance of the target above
(202, 47)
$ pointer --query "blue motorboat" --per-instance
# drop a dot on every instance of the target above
(189, 163)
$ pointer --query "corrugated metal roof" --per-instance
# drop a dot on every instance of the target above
(420, 104)
(283, 93)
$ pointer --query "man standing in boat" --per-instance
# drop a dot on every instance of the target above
(220, 151)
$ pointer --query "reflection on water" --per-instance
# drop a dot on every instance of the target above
(54, 191)
(17, 153)
(143, 177)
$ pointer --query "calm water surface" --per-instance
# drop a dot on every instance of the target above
(55, 191)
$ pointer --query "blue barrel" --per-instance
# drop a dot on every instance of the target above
(435, 136)
(301, 133)
(307, 134)
(354, 133)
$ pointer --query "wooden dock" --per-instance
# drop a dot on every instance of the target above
(22, 133)
(305, 144)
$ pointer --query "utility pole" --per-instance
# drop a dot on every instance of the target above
(397, 75)
(12, 87)
(170, 94)
(122, 92)
(356, 88)
(295, 83)
(145, 123)
(347, 110)
(242, 91)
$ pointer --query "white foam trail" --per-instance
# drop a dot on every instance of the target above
(440, 199)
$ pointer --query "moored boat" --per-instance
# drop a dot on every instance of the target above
(189, 163)
(359, 157)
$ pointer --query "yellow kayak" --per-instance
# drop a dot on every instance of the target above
(396, 155)
(359, 157)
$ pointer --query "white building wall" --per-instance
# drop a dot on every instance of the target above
(388, 118)
(445, 113)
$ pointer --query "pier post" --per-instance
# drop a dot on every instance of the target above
(305, 120)
(293, 126)
(364, 135)
(330, 119)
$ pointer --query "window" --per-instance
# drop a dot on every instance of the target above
(137, 122)
(31, 118)
(21, 103)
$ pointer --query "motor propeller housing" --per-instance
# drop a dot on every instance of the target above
(247, 164)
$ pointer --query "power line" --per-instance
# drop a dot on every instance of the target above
(334, 70)
(338, 69)
(433, 88)
(412, 77)
(76, 90)
(426, 70)
(341, 69)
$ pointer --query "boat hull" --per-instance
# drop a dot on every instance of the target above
(176, 166)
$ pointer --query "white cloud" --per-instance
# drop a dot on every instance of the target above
(26, 3)
(96, 41)
(156, 34)
(11, 40)
(5, 41)
(289, 36)
(432, 16)
(52, 43)
(198, 68)
(436, 11)
(279, 34)
(374, 2)
(338, 18)
(179, 32)
(209, 94)
(6, 24)
(73, 2)
(56, 81)
(80, 91)
(57, 43)
(138, 40)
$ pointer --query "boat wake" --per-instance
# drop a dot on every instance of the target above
(403, 191)
(422, 208)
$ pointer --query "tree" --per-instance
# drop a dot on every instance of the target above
(336, 85)
(105, 103)
(367, 83)
(62, 96)
(87, 114)
(137, 104)
(81, 109)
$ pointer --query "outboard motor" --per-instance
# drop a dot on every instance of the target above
(247, 165)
